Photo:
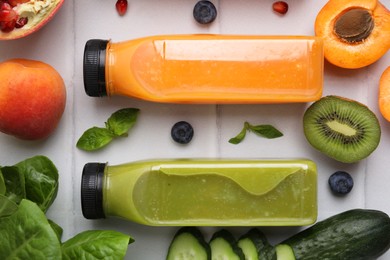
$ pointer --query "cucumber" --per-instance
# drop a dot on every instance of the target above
(224, 247)
(284, 252)
(357, 234)
(255, 245)
(189, 244)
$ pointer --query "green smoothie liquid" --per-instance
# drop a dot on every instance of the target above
(213, 192)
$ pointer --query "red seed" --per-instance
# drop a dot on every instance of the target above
(22, 21)
(121, 7)
(280, 7)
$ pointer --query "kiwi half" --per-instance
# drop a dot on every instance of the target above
(343, 129)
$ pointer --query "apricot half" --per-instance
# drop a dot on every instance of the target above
(19, 18)
(356, 33)
(384, 94)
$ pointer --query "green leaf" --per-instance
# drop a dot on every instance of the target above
(57, 229)
(2, 184)
(120, 122)
(41, 180)
(7, 206)
(27, 234)
(94, 139)
(96, 244)
(238, 138)
(267, 131)
(14, 182)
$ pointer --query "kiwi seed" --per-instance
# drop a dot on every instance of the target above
(343, 129)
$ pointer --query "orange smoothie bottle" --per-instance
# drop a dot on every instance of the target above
(224, 69)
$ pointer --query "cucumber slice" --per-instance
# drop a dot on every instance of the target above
(248, 248)
(224, 247)
(284, 252)
(252, 243)
(189, 244)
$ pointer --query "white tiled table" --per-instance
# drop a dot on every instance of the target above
(61, 44)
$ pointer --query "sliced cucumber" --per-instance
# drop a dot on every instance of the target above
(252, 243)
(189, 244)
(248, 247)
(284, 252)
(358, 234)
(224, 247)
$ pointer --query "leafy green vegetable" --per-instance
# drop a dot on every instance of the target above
(14, 182)
(57, 229)
(2, 184)
(7, 206)
(41, 177)
(117, 125)
(266, 131)
(98, 244)
(27, 234)
(95, 138)
(122, 120)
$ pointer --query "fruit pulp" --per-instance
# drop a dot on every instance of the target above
(217, 69)
(206, 192)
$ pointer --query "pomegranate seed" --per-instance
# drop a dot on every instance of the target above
(7, 14)
(7, 26)
(121, 7)
(22, 21)
(14, 3)
(280, 7)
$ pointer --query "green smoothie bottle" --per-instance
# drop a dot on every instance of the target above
(203, 192)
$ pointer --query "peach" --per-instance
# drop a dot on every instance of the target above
(384, 94)
(32, 98)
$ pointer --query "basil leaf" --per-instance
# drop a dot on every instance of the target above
(7, 206)
(2, 184)
(96, 244)
(14, 182)
(41, 180)
(267, 131)
(120, 122)
(26, 234)
(238, 138)
(94, 139)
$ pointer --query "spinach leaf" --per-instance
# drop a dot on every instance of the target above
(14, 182)
(2, 184)
(120, 122)
(27, 234)
(96, 244)
(7, 206)
(41, 183)
(117, 125)
(57, 229)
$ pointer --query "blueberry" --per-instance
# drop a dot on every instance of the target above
(182, 132)
(204, 12)
(341, 182)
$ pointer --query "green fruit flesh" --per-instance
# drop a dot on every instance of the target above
(343, 129)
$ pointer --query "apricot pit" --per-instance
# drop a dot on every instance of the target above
(356, 33)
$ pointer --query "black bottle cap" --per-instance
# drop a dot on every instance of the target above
(94, 68)
(92, 190)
